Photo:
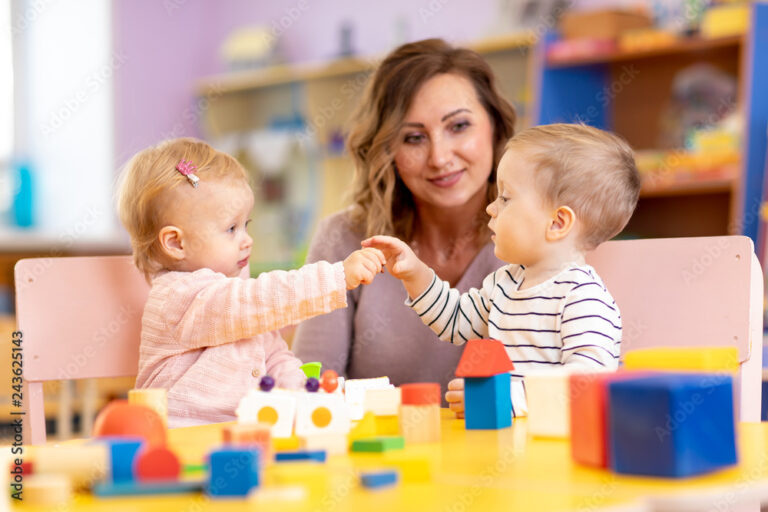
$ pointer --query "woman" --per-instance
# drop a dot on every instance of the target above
(426, 140)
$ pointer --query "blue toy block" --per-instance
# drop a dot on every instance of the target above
(122, 452)
(487, 402)
(671, 425)
(376, 479)
(300, 455)
(233, 471)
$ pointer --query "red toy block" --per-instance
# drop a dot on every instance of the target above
(589, 412)
(157, 464)
(483, 358)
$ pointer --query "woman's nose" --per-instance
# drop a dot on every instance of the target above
(440, 152)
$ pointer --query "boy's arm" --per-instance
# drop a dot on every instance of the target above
(590, 329)
(207, 309)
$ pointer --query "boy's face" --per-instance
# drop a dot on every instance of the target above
(520, 215)
(213, 220)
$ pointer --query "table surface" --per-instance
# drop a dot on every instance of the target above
(470, 470)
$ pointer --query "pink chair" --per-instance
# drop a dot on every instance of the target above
(80, 318)
(704, 291)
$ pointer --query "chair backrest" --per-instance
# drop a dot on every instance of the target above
(80, 318)
(699, 291)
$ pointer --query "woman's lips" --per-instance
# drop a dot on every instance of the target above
(447, 180)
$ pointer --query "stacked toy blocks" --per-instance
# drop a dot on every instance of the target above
(485, 367)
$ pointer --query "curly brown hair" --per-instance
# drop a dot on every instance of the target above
(382, 204)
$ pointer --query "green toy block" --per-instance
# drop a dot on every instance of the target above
(312, 369)
(378, 444)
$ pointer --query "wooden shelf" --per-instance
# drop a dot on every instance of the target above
(690, 184)
(686, 45)
(294, 73)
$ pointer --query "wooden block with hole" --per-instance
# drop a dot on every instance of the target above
(276, 408)
(321, 413)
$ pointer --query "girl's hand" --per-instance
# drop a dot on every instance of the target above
(455, 397)
(361, 266)
(402, 263)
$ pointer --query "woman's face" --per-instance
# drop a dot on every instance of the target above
(444, 150)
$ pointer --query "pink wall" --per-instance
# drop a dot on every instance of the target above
(167, 45)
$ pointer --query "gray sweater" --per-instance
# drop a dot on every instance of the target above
(376, 334)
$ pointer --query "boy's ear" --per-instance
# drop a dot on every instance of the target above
(562, 222)
(171, 242)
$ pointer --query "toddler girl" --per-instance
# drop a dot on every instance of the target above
(209, 332)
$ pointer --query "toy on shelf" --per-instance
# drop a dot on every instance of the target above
(485, 367)
(420, 412)
(120, 418)
(671, 425)
(548, 403)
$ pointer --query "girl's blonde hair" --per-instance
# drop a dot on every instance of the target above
(144, 183)
(382, 204)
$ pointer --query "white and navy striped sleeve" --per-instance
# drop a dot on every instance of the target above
(590, 327)
(453, 316)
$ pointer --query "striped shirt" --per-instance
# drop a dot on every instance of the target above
(569, 320)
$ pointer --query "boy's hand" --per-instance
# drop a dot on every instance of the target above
(361, 266)
(455, 397)
(402, 263)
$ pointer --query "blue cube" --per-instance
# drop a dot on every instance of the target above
(122, 451)
(233, 471)
(487, 402)
(671, 425)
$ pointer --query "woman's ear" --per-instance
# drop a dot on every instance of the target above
(562, 222)
(171, 242)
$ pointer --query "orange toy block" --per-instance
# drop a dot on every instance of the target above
(253, 434)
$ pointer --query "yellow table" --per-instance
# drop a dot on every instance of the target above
(471, 470)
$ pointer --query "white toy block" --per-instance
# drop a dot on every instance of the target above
(333, 444)
(84, 464)
(548, 403)
(48, 491)
(382, 402)
(354, 393)
(321, 413)
(276, 408)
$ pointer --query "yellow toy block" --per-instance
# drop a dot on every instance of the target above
(366, 427)
(310, 475)
(704, 359)
(413, 468)
(285, 444)
(387, 425)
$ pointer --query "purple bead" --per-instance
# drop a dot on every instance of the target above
(312, 384)
(266, 383)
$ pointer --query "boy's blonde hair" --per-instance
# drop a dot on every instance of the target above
(146, 180)
(588, 169)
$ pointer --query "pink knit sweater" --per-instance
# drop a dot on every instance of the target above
(207, 338)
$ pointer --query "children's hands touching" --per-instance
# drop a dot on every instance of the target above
(361, 266)
(402, 263)
(455, 397)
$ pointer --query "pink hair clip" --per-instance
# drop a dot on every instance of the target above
(187, 169)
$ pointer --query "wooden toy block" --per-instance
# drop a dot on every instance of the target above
(233, 472)
(123, 419)
(282, 444)
(378, 444)
(354, 393)
(147, 488)
(388, 425)
(366, 427)
(378, 479)
(487, 402)
(84, 464)
(157, 463)
(671, 425)
(702, 359)
(122, 454)
(382, 402)
(47, 490)
(420, 412)
(312, 369)
(333, 444)
(300, 455)
(588, 393)
(322, 413)
(485, 367)
(154, 398)
(548, 403)
(275, 408)
(250, 434)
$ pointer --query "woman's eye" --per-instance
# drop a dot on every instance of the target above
(413, 138)
(460, 126)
